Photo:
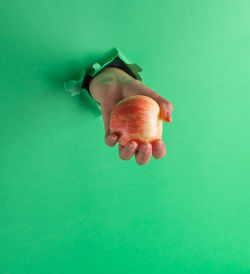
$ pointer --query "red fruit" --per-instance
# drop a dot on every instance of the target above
(136, 118)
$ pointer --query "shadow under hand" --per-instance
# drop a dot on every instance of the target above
(63, 72)
(72, 70)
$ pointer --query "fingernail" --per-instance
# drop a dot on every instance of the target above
(130, 147)
(170, 117)
(113, 138)
(145, 148)
(158, 144)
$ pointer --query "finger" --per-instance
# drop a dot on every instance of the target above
(110, 139)
(169, 114)
(166, 107)
(127, 152)
(158, 149)
(143, 156)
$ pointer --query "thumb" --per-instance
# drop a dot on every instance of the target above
(110, 139)
(166, 109)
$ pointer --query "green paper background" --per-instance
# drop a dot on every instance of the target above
(68, 204)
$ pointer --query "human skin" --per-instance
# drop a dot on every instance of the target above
(110, 86)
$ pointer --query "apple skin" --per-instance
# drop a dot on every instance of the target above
(136, 118)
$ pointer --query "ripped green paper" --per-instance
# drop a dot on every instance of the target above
(75, 86)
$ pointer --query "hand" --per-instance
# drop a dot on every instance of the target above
(112, 85)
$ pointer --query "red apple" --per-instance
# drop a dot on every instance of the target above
(136, 118)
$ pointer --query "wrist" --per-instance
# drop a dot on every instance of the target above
(105, 81)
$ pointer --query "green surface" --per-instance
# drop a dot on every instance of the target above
(68, 204)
